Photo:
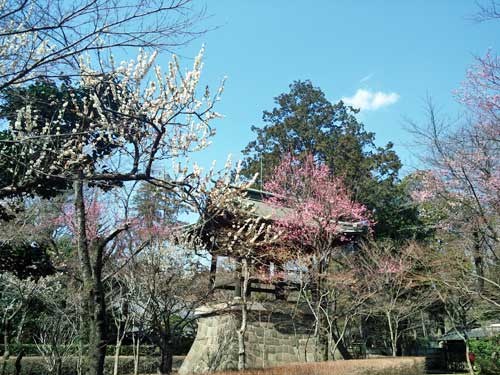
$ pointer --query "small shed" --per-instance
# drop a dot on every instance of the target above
(453, 345)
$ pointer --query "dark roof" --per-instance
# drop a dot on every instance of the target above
(261, 208)
(475, 333)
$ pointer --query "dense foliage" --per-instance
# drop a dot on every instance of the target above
(305, 122)
(487, 353)
(25, 259)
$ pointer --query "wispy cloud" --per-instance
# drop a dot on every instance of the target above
(371, 101)
(366, 78)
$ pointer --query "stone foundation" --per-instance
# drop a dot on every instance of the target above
(274, 336)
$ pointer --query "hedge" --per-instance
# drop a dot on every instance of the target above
(36, 366)
(32, 350)
(487, 352)
(180, 348)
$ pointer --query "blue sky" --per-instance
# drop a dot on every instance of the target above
(402, 50)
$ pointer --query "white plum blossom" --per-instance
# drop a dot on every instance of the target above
(141, 115)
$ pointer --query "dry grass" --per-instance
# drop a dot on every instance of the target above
(374, 366)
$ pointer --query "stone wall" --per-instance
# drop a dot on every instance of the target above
(273, 337)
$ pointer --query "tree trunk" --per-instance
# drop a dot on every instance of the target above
(20, 355)
(6, 344)
(17, 364)
(469, 364)
(98, 330)
(213, 272)
(346, 354)
(478, 261)
(59, 366)
(117, 355)
(81, 351)
(323, 332)
(136, 350)
(340, 345)
(166, 357)
(424, 328)
(93, 290)
(392, 334)
(244, 317)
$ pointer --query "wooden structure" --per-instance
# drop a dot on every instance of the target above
(242, 229)
(238, 226)
(453, 345)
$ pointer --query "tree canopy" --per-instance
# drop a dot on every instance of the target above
(305, 121)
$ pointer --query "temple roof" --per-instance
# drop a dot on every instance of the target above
(221, 231)
(475, 333)
(256, 199)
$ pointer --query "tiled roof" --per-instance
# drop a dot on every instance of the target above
(474, 333)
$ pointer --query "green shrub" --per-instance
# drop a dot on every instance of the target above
(487, 352)
(29, 349)
(36, 366)
(180, 348)
(32, 350)
(145, 350)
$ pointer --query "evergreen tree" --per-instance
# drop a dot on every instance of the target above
(305, 121)
(47, 101)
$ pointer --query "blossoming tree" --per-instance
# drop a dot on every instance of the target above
(394, 276)
(37, 43)
(464, 170)
(129, 124)
(314, 209)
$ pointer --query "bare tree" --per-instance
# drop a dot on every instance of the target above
(120, 299)
(58, 325)
(170, 287)
(452, 287)
(341, 301)
(45, 38)
(459, 187)
(487, 10)
(399, 292)
(137, 312)
(15, 297)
